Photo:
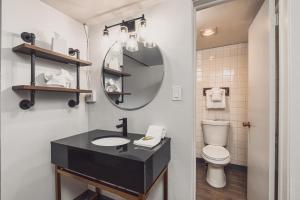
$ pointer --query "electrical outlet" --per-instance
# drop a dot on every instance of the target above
(91, 98)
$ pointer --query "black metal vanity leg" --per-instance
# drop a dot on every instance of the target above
(57, 184)
(142, 197)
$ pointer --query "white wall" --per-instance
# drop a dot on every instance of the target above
(225, 67)
(292, 71)
(170, 24)
(283, 171)
(25, 135)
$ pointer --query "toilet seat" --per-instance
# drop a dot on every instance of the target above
(216, 153)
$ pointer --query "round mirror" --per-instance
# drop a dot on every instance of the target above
(132, 76)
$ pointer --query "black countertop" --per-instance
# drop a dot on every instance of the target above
(134, 152)
(128, 166)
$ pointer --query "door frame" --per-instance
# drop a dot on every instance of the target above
(283, 151)
(283, 158)
(287, 107)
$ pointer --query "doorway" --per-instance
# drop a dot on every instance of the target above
(236, 53)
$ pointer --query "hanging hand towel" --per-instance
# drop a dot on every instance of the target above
(216, 95)
(210, 104)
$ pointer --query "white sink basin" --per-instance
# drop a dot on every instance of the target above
(110, 141)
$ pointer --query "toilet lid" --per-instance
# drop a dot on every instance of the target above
(215, 152)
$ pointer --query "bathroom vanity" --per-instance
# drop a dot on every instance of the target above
(127, 170)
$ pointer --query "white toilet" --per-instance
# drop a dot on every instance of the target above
(215, 135)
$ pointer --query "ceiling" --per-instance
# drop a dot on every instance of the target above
(97, 11)
(232, 20)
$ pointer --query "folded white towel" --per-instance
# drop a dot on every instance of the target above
(147, 143)
(210, 104)
(217, 94)
(156, 131)
(153, 136)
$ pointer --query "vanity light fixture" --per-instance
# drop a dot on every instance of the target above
(207, 32)
(129, 36)
(105, 32)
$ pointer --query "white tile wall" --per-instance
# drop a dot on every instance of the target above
(225, 67)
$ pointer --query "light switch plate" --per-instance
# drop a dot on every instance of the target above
(176, 93)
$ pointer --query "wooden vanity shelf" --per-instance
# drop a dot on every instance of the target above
(115, 72)
(103, 186)
(38, 52)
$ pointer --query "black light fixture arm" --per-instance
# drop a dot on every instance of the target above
(124, 23)
(25, 104)
(72, 103)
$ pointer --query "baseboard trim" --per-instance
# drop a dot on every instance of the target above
(229, 166)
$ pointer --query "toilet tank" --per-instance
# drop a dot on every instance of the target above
(215, 132)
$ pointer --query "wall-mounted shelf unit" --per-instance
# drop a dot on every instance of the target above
(38, 52)
(115, 72)
(49, 55)
(120, 74)
(48, 89)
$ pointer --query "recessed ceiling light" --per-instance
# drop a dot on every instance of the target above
(206, 32)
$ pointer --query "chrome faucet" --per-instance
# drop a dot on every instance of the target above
(124, 126)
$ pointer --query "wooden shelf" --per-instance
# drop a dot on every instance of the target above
(49, 89)
(50, 55)
(115, 72)
(118, 93)
(86, 195)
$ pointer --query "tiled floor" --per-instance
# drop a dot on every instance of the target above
(234, 190)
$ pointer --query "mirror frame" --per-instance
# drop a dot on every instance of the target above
(138, 107)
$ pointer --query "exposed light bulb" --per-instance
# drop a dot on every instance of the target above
(149, 44)
(149, 41)
(105, 38)
(144, 35)
(132, 44)
(142, 30)
(123, 35)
